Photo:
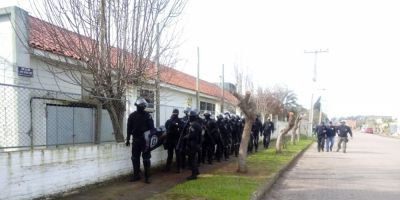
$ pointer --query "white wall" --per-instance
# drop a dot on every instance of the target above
(6, 53)
(37, 173)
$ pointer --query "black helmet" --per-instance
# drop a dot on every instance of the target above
(207, 113)
(175, 112)
(193, 113)
(141, 102)
(220, 116)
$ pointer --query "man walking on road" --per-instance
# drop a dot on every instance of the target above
(322, 130)
(342, 131)
(330, 136)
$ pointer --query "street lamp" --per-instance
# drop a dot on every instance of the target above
(314, 79)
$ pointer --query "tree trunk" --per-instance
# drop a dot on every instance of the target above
(295, 128)
(248, 107)
(116, 110)
(242, 166)
(279, 141)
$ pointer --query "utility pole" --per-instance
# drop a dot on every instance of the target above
(197, 80)
(314, 79)
(158, 78)
(222, 89)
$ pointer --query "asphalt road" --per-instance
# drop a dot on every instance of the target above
(369, 170)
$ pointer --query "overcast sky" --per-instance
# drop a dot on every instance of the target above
(359, 73)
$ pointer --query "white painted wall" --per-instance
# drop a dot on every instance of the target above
(37, 173)
(6, 54)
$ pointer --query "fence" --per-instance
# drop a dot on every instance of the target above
(31, 117)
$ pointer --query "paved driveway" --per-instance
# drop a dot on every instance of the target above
(369, 170)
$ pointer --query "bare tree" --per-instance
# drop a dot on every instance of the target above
(248, 107)
(295, 131)
(239, 78)
(267, 102)
(279, 140)
(113, 42)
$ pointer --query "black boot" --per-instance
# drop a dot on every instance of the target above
(136, 170)
(146, 165)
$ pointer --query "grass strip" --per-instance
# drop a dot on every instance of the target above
(226, 183)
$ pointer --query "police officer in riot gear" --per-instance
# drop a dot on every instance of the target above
(193, 144)
(186, 117)
(139, 122)
(255, 130)
(268, 130)
(210, 136)
(173, 126)
(220, 141)
(228, 135)
(235, 134)
(342, 132)
(181, 158)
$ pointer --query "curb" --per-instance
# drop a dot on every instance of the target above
(266, 187)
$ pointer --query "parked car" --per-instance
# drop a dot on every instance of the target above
(368, 130)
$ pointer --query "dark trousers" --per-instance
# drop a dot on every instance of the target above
(321, 142)
(256, 139)
(138, 149)
(266, 139)
(219, 151)
(193, 162)
(171, 149)
(251, 144)
(235, 147)
(208, 149)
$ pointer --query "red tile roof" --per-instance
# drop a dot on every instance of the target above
(41, 39)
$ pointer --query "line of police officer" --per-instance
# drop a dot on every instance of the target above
(192, 139)
(201, 140)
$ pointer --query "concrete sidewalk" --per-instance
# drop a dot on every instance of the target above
(369, 170)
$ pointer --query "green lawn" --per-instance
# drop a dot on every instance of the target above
(225, 183)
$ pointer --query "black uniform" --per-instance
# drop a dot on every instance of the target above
(322, 131)
(268, 129)
(181, 158)
(255, 130)
(139, 122)
(228, 136)
(193, 144)
(173, 127)
(210, 137)
(221, 142)
(235, 136)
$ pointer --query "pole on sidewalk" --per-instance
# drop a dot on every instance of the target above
(197, 80)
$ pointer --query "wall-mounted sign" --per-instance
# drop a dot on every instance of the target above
(189, 101)
(25, 71)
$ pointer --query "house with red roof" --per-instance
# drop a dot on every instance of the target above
(48, 128)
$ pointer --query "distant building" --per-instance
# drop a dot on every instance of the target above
(230, 87)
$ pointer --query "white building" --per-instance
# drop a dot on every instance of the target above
(47, 132)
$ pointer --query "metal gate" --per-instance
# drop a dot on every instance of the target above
(69, 125)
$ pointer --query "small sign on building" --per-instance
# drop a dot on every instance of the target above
(25, 71)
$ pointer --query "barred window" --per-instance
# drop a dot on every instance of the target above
(207, 106)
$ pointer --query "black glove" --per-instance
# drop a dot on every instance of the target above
(127, 143)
